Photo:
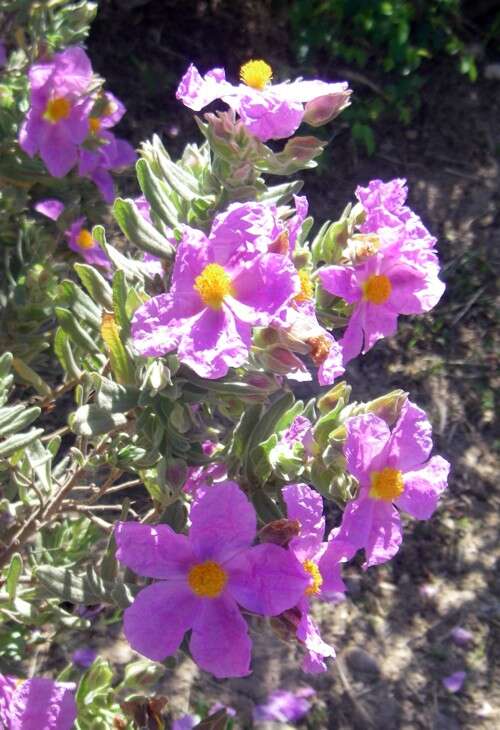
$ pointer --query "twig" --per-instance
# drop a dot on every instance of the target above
(469, 304)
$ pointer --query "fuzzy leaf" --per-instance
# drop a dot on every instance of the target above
(120, 361)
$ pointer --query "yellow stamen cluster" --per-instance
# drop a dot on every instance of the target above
(207, 579)
(256, 74)
(94, 125)
(306, 286)
(213, 284)
(377, 288)
(316, 577)
(57, 109)
(386, 484)
(84, 239)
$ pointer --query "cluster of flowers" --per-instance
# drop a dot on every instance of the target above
(69, 123)
(207, 578)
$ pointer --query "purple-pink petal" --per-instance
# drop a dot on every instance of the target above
(317, 650)
(223, 522)
(341, 281)
(422, 488)
(153, 551)
(411, 438)
(42, 704)
(454, 682)
(219, 641)
(365, 445)
(266, 579)
(154, 330)
(50, 208)
(305, 505)
(461, 637)
(283, 706)
(385, 536)
(159, 617)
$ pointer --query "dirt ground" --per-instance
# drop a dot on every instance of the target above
(392, 633)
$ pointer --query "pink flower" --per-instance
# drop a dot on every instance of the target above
(267, 111)
(36, 704)
(384, 205)
(58, 117)
(388, 283)
(454, 682)
(80, 240)
(201, 477)
(393, 472)
(221, 288)
(204, 579)
(284, 706)
(50, 208)
(321, 560)
(108, 153)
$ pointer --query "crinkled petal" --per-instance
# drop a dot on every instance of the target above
(41, 704)
(332, 367)
(411, 438)
(214, 342)
(57, 151)
(352, 339)
(154, 551)
(303, 91)
(196, 91)
(329, 566)
(223, 522)
(243, 229)
(159, 617)
(305, 505)
(220, 643)
(422, 488)
(379, 321)
(50, 208)
(155, 331)
(385, 536)
(262, 287)
(317, 649)
(342, 282)
(266, 579)
(365, 445)
(267, 116)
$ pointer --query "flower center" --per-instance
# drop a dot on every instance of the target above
(213, 284)
(386, 484)
(320, 348)
(84, 239)
(316, 577)
(377, 288)
(256, 74)
(57, 109)
(94, 125)
(207, 579)
(306, 287)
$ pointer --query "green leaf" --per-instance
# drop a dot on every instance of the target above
(139, 231)
(121, 363)
(132, 269)
(156, 193)
(96, 285)
(87, 588)
(14, 571)
(18, 441)
(71, 296)
(40, 460)
(15, 418)
(75, 331)
(91, 420)
(64, 353)
(29, 376)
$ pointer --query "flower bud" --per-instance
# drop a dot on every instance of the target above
(325, 108)
(329, 400)
(280, 532)
(389, 406)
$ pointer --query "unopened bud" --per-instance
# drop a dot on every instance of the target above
(325, 108)
(329, 400)
(303, 149)
(280, 532)
(389, 406)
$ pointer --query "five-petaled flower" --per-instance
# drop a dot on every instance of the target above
(269, 111)
(393, 474)
(60, 105)
(204, 579)
(321, 560)
(222, 286)
(80, 239)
